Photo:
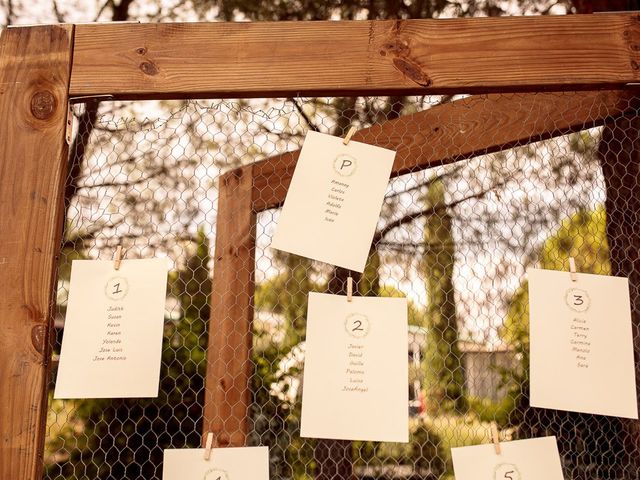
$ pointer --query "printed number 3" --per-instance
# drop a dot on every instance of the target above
(358, 327)
(577, 300)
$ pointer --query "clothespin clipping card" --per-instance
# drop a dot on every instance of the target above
(208, 446)
(349, 134)
(495, 437)
(572, 269)
(117, 258)
(349, 289)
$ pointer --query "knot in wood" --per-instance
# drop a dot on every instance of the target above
(412, 71)
(38, 337)
(149, 68)
(43, 105)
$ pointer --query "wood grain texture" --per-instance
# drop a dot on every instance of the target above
(459, 130)
(35, 68)
(192, 60)
(229, 368)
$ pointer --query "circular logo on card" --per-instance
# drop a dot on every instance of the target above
(345, 165)
(116, 288)
(357, 325)
(507, 471)
(215, 474)
(577, 300)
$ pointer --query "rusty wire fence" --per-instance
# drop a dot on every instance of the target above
(455, 239)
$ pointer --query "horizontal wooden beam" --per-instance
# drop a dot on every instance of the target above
(401, 57)
(459, 130)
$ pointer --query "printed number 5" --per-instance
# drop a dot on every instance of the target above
(508, 475)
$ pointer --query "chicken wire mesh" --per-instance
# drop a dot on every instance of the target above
(455, 239)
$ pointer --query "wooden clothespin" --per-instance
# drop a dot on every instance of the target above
(117, 258)
(495, 437)
(349, 288)
(208, 446)
(572, 269)
(349, 134)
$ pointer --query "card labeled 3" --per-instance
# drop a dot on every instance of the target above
(334, 200)
(112, 340)
(534, 459)
(356, 371)
(581, 344)
(224, 464)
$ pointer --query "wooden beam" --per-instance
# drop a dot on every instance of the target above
(401, 57)
(229, 367)
(459, 130)
(35, 68)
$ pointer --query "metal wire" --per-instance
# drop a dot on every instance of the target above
(455, 239)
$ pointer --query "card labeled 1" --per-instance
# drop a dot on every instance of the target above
(112, 340)
(224, 464)
(581, 344)
(334, 200)
(536, 459)
(356, 371)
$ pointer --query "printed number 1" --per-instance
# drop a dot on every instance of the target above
(357, 328)
(116, 289)
(508, 474)
(577, 300)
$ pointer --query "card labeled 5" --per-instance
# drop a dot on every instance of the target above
(356, 371)
(581, 344)
(535, 459)
(224, 464)
(112, 340)
(334, 200)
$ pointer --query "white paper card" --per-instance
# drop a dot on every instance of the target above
(333, 204)
(112, 340)
(534, 459)
(356, 371)
(250, 463)
(581, 344)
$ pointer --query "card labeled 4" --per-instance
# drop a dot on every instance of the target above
(224, 464)
(581, 344)
(356, 371)
(535, 459)
(334, 200)
(112, 340)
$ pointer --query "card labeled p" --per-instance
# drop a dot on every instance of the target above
(581, 344)
(533, 459)
(112, 339)
(356, 370)
(334, 200)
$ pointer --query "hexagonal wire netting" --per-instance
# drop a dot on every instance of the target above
(455, 239)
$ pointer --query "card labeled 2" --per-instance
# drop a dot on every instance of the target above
(223, 464)
(333, 204)
(112, 340)
(356, 371)
(581, 344)
(535, 459)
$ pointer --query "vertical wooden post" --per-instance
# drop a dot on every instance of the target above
(229, 368)
(35, 68)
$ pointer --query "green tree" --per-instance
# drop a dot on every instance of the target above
(444, 375)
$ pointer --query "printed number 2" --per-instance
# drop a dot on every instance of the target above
(577, 300)
(508, 474)
(116, 289)
(358, 327)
